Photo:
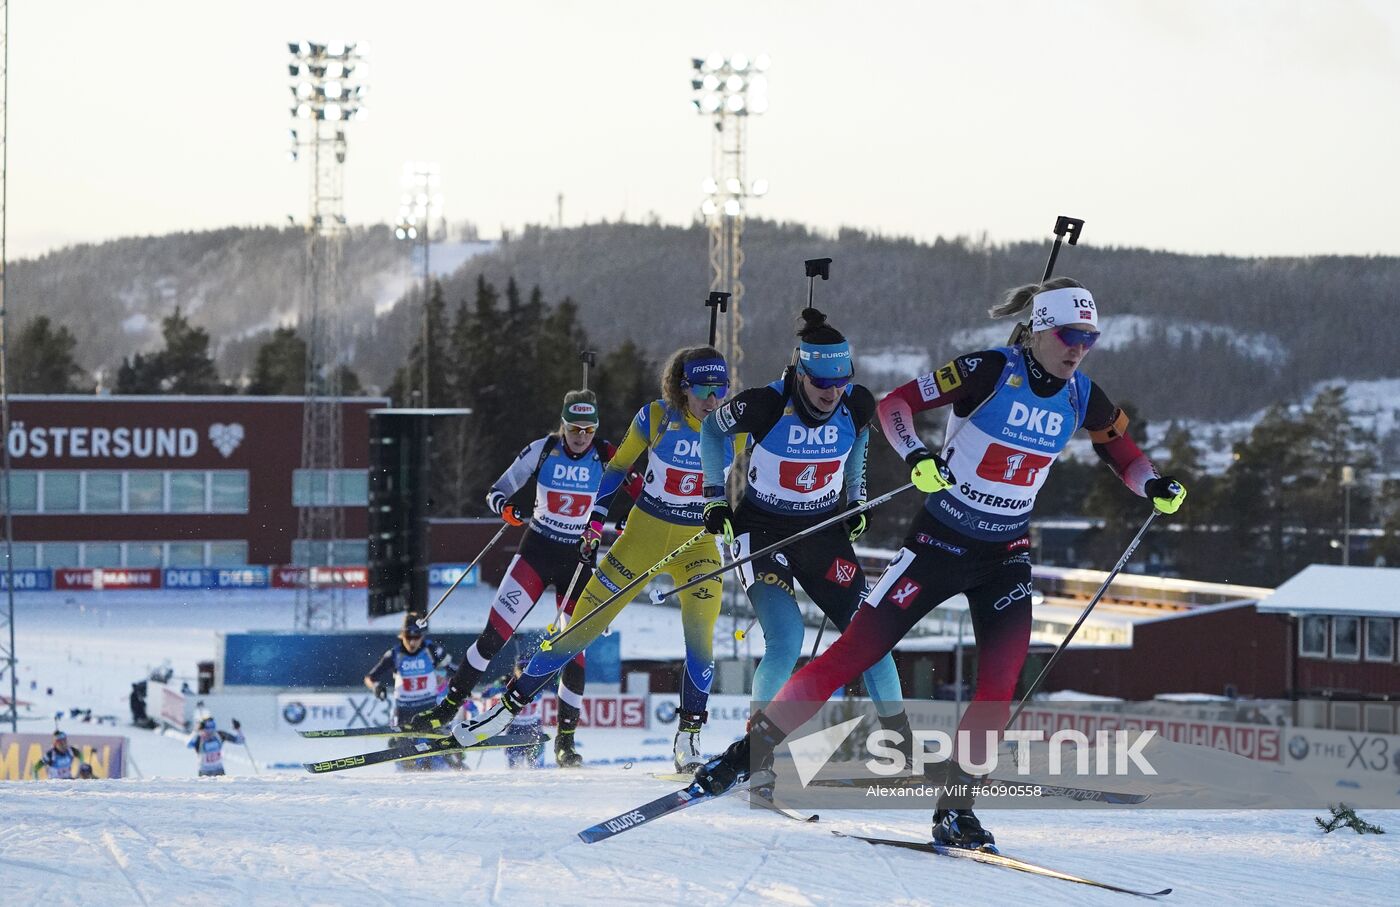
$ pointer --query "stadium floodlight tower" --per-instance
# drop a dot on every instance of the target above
(8, 660)
(328, 88)
(729, 90)
(419, 205)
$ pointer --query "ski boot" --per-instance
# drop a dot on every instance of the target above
(685, 750)
(445, 712)
(960, 828)
(565, 756)
(493, 723)
(751, 752)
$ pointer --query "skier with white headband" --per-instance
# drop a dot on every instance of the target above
(1014, 410)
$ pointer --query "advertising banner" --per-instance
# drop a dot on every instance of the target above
(20, 752)
(329, 711)
(444, 575)
(327, 577)
(251, 577)
(608, 711)
(83, 578)
(37, 580)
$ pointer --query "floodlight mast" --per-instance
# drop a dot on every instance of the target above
(9, 661)
(421, 203)
(327, 91)
(729, 90)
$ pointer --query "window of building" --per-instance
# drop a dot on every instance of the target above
(1312, 640)
(61, 491)
(102, 554)
(102, 492)
(228, 554)
(185, 554)
(145, 493)
(345, 552)
(187, 493)
(307, 552)
(351, 552)
(25, 487)
(1346, 638)
(354, 487)
(61, 554)
(309, 488)
(144, 554)
(1380, 639)
(343, 487)
(228, 492)
(25, 555)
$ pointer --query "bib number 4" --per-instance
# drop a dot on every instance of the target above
(807, 477)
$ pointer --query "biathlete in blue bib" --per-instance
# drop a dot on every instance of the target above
(809, 431)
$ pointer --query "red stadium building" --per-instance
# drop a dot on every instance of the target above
(132, 484)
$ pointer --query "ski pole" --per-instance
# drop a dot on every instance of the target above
(547, 644)
(564, 598)
(256, 770)
(1064, 226)
(658, 597)
(818, 643)
(423, 621)
(1045, 671)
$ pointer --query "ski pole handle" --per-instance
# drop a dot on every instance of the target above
(423, 621)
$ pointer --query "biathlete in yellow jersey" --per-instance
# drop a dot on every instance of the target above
(668, 513)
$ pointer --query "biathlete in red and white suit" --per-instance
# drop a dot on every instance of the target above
(1014, 410)
(567, 467)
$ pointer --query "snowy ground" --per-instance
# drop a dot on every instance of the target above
(493, 836)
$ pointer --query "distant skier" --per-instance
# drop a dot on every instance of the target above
(208, 743)
(568, 468)
(810, 431)
(1014, 410)
(667, 515)
(411, 669)
(60, 761)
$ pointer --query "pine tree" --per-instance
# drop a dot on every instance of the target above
(41, 360)
(407, 387)
(182, 367)
(626, 381)
(280, 366)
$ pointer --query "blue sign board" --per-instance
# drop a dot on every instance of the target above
(35, 580)
(250, 577)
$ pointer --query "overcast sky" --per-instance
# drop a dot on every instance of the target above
(1269, 127)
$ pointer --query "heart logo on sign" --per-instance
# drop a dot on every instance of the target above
(226, 437)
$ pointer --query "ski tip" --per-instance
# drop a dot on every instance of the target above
(813, 817)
